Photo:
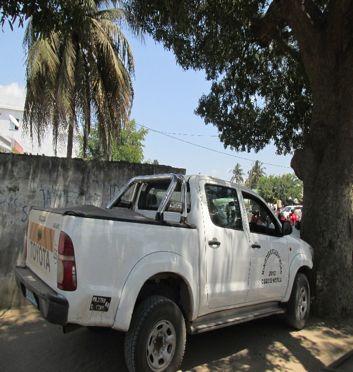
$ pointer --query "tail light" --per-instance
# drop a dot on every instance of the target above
(66, 276)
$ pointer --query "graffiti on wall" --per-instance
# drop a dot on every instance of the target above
(17, 207)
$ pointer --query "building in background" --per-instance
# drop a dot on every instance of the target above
(10, 129)
(14, 139)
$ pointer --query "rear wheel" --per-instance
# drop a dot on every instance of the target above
(298, 307)
(156, 338)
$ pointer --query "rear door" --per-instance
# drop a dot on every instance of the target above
(269, 252)
(226, 247)
(42, 245)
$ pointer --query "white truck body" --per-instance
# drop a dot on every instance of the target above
(223, 267)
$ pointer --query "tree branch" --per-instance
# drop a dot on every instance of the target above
(304, 13)
(306, 22)
(267, 27)
(287, 49)
(304, 18)
(314, 12)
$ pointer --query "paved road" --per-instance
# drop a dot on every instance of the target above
(27, 343)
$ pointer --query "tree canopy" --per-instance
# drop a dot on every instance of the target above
(19, 11)
(49, 14)
(259, 94)
(128, 147)
(287, 188)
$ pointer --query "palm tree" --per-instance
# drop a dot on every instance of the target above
(254, 174)
(237, 174)
(79, 70)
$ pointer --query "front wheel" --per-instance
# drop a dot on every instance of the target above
(156, 338)
(298, 307)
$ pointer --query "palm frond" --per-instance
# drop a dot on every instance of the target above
(42, 59)
(80, 72)
(122, 45)
(66, 78)
(114, 14)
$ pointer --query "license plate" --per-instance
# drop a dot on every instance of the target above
(30, 297)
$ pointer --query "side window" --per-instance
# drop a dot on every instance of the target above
(223, 206)
(261, 220)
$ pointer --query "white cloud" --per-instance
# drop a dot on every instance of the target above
(12, 95)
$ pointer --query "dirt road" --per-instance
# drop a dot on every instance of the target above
(27, 343)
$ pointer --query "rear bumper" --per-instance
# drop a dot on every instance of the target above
(53, 306)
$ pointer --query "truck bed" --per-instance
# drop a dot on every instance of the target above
(114, 214)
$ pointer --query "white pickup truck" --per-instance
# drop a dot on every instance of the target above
(170, 254)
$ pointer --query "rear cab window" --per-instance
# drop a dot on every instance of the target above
(152, 194)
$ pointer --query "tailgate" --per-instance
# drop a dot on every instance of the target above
(42, 245)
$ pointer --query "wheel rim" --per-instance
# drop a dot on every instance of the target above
(302, 303)
(161, 345)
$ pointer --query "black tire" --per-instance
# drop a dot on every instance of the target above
(298, 306)
(146, 320)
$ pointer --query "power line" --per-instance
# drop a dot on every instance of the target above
(189, 134)
(166, 134)
(185, 134)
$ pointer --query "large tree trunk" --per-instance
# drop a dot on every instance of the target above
(327, 226)
(325, 164)
(326, 167)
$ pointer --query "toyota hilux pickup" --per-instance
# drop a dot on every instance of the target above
(170, 255)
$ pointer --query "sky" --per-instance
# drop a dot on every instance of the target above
(165, 99)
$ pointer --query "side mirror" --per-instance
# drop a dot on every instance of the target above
(286, 228)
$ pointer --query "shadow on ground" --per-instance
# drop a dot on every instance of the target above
(27, 343)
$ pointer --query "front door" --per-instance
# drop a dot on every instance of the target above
(269, 252)
(227, 248)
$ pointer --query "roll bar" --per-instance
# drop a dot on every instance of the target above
(174, 179)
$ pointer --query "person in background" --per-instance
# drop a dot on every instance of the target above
(293, 218)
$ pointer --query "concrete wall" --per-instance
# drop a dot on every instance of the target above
(27, 181)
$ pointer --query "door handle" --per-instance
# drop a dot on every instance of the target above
(214, 243)
(255, 246)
